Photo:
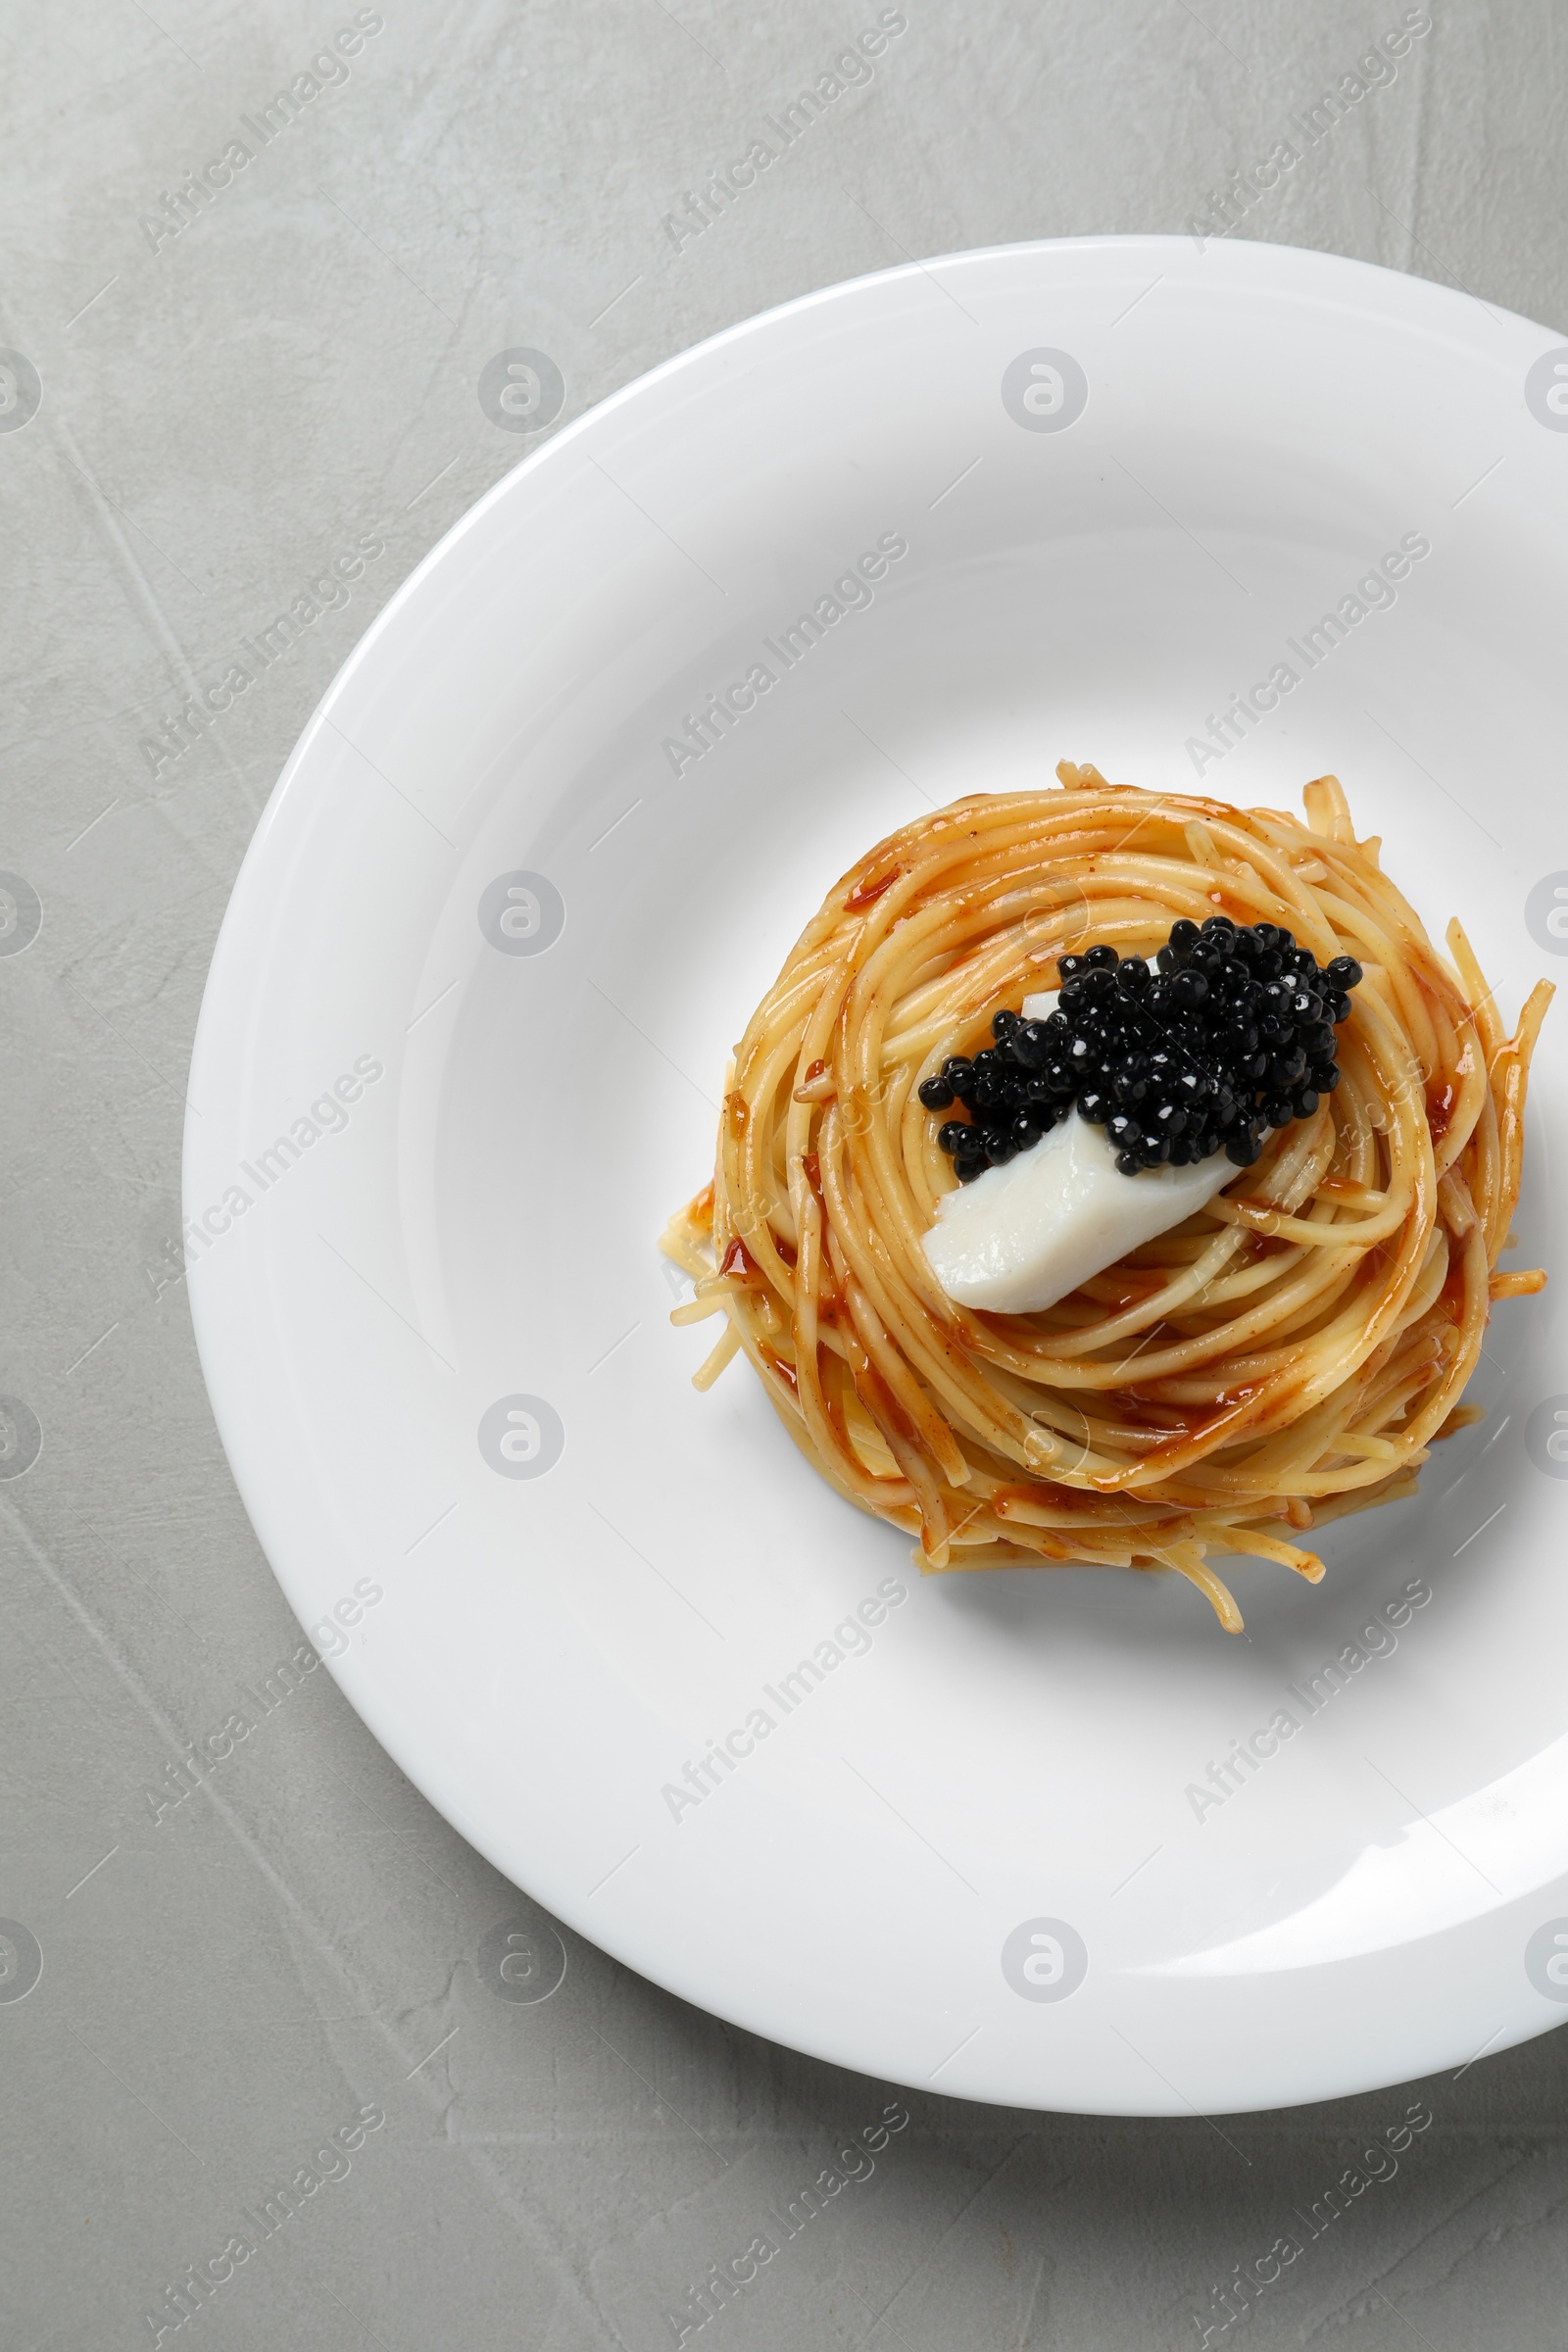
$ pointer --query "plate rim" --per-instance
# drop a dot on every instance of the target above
(1295, 268)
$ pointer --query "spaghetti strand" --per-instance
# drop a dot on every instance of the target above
(1290, 1353)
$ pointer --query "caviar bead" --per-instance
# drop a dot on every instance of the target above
(969, 1165)
(1232, 1036)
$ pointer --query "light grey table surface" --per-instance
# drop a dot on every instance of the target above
(232, 392)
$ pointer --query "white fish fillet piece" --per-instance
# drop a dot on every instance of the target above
(1022, 1235)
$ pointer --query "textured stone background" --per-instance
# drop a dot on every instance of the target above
(232, 1977)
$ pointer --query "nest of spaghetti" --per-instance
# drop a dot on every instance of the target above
(1288, 1354)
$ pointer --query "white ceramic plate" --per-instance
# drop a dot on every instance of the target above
(1105, 544)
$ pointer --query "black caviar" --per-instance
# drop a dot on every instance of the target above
(1231, 1034)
